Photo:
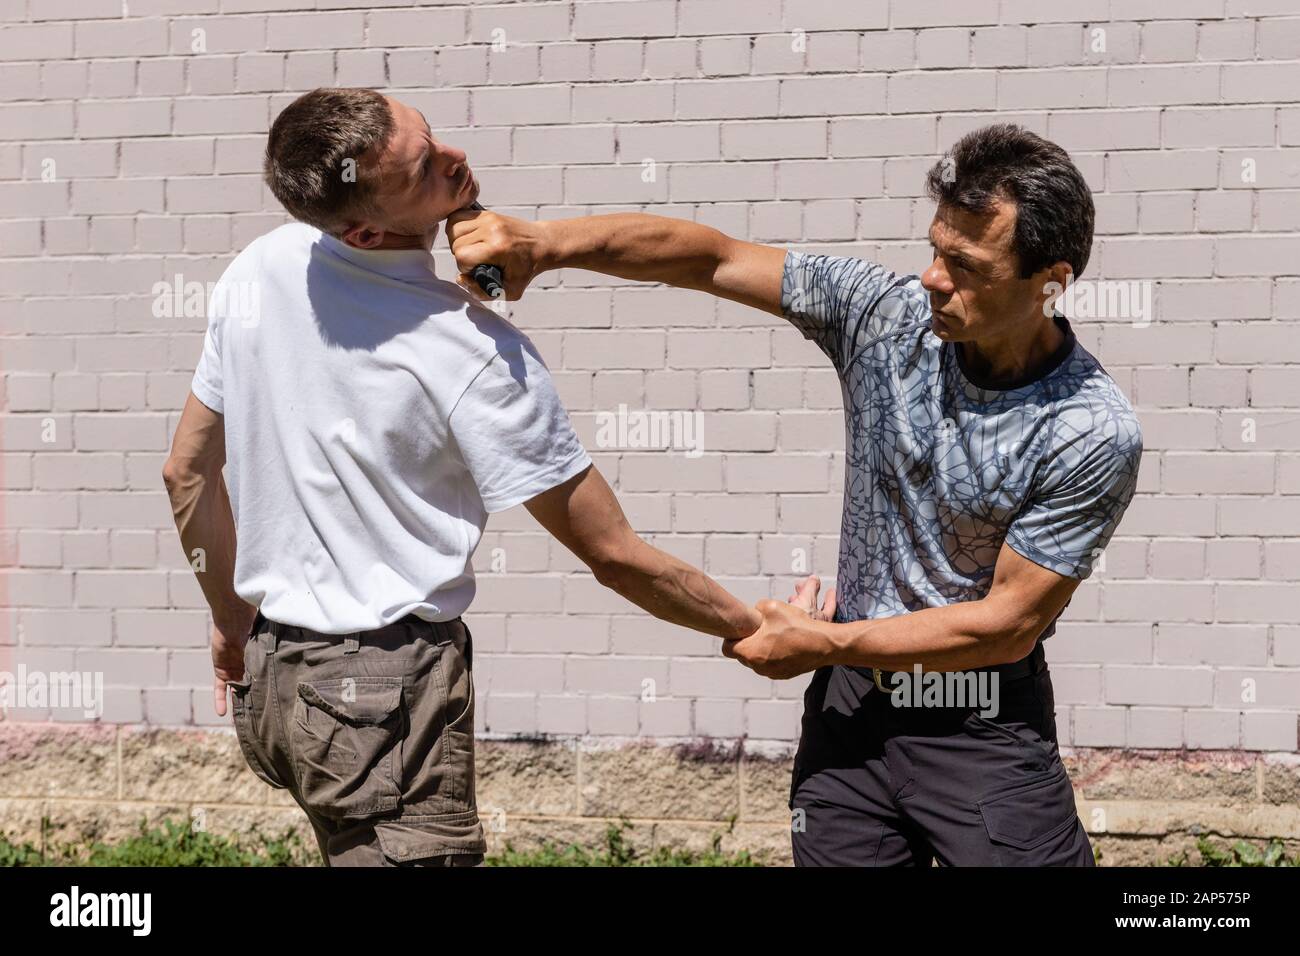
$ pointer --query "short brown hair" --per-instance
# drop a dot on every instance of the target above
(308, 150)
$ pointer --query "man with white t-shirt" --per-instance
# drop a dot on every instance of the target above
(371, 415)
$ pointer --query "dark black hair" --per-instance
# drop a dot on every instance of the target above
(1054, 211)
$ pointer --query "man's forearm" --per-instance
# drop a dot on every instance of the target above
(672, 590)
(206, 525)
(634, 246)
(956, 637)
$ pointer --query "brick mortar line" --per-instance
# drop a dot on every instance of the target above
(140, 802)
(622, 82)
(1008, 68)
(468, 7)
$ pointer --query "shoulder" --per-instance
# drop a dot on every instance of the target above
(274, 246)
(810, 276)
(291, 234)
(482, 338)
(873, 300)
(1094, 413)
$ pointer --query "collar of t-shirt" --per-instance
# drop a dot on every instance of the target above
(397, 263)
(1047, 368)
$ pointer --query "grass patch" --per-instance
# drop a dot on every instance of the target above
(1240, 853)
(175, 843)
(617, 852)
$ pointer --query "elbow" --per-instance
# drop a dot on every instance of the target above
(178, 474)
(700, 271)
(1008, 631)
(609, 572)
(172, 474)
(1021, 649)
(1018, 640)
(617, 563)
(613, 557)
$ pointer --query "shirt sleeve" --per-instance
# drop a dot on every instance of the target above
(207, 381)
(1080, 501)
(513, 433)
(843, 303)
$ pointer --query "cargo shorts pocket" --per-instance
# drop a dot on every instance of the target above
(1028, 821)
(457, 744)
(453, 838)
(245, 732)
(345, 733)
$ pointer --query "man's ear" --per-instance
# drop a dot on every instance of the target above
(363, 236)
(1056, 278)
(1063, 273)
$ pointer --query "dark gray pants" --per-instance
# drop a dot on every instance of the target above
(372, 734)
(880, 785)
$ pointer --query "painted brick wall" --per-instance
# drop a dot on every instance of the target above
(130, 140)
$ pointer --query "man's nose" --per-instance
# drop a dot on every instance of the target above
(451, 158)
(935, 279)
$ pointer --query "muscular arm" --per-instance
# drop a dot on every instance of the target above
(583, 515)
(634, 246)
(999, 628)
(201, 509)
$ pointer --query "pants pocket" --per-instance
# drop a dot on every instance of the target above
(246, 733)
(1021, 733)
(344, 734)
(455, 839)
(1032, 824)
(1026, 728)
(458, 744)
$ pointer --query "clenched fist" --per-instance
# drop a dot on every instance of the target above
(788, 643)
(479, 237)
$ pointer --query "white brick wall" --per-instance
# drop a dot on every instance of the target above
(807, 122)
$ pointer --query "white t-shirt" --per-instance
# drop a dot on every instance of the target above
(374, 415)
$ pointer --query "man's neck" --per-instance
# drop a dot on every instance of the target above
(402, 240)
(1013, 358)
(393, 240)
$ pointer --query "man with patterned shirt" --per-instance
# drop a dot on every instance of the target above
(989, 459)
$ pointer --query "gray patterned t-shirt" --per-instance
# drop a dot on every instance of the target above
(940, 470)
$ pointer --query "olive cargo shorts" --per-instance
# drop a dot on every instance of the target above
(372, 734)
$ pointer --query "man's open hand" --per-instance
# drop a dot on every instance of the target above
(227, 660)
(805, 598)
(479, 237)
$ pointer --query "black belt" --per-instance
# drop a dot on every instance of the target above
(1031, 664)
(283, 630)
